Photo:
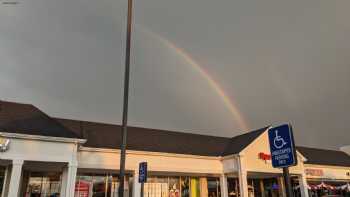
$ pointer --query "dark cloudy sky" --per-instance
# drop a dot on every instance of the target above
(275, 60)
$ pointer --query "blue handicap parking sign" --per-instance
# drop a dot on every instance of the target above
(282, 146)
(143, 172)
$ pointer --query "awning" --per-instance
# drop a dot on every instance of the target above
(298, 186)
(344, 187)
(327, 186)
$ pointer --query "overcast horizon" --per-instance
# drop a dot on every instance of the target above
(210, 67)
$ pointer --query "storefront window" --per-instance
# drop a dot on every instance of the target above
(161, 186)
(268, 187)
(214, 187)
(41, 184)
(174, 187)
(254, 187)
(2, 179)
(100, 185)
(185, 186)
(233, 187)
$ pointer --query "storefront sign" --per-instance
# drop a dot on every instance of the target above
(264, 156)
(82, 189)
(282, 147)
(143, 172)
(314, 172)
(4, 144)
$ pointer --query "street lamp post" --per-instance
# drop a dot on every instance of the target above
(125, 100)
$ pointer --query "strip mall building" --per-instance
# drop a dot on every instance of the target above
(49, 157)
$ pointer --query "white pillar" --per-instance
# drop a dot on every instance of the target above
(223, 185)
(69, 175)
(64, 182)
(303, 185)
(242, 176)
(136, 185)
(72, 175)
(15, 179)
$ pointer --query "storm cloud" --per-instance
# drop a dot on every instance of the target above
(276, 61)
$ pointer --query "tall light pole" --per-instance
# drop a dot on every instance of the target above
(126, 99)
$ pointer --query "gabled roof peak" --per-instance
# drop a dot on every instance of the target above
(238, 143)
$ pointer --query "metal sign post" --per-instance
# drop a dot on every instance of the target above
(142, 176)
(283, 152)
(287, 182)
(142, 189)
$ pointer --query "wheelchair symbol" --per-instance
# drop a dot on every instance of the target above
(279, 142)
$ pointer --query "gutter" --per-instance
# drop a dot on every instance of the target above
(42, 138)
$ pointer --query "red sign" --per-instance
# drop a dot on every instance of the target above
(264, 156)
(314, 172)
(82, 189)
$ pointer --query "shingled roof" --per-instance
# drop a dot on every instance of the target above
(324, 157)
(101, 135)
(27, 119)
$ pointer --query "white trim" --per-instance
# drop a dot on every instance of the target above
(308, 165)
(301, 155)
(134, 152)
(252, 142)
(233, 156)
(42, 138)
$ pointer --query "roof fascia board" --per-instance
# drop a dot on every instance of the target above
(42, 138)
(302, 156)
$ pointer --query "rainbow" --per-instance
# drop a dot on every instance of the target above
(230, 103)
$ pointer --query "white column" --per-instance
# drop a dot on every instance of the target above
(15, 179)
(136, 185)
(303, 185)
(242, 176)
(64, 182)
(223, 185)
(71, 176)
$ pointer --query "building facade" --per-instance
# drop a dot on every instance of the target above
(50, 157)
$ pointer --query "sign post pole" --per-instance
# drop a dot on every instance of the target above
(142, 189)
(287, 182)
(283, 152)
(143, 176)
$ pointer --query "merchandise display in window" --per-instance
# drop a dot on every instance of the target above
(100, 185)
(41, 184)
(161, 186)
